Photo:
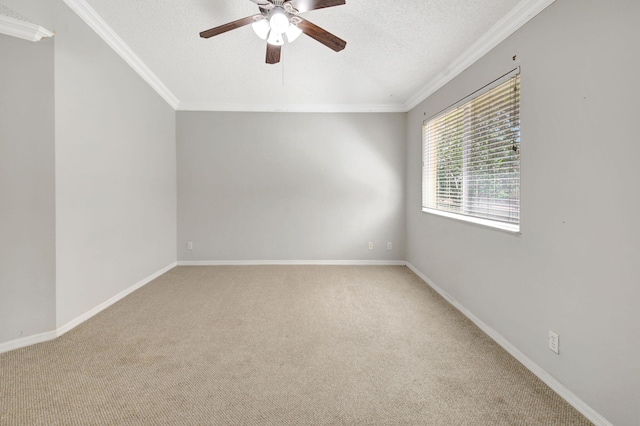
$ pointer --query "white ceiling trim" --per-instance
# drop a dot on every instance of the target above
(520, 15)
(97, 24)
(22, 29)
(344, 108)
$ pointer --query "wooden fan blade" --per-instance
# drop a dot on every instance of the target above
(323, 36)
(307, 5)
(273, 53)
(228, 27)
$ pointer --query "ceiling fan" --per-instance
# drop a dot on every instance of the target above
(278, 21)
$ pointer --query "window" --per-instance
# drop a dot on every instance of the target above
(471, 157)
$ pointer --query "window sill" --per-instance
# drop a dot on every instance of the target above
(487, 223)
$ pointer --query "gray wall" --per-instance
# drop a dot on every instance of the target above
(287, 186)
(27, 206)
(574, 269)
(115, 167)
(258, 186)
(115, 173)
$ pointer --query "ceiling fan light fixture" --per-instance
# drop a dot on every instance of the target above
(261, 28)
(293, 32)
(278, 21)
(275, 38)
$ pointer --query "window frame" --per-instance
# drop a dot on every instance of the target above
(468, 100)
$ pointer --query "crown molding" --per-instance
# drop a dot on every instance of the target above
(321, 108)
(97, 24)
(520, 15)
(22, 29)
(524, 11)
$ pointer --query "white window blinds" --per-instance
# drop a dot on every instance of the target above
(471, 157)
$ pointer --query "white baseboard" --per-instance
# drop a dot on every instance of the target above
(104, 305)
(27, 341)
(554, 384)
(547, 378)
(289, 262)
(50, 335)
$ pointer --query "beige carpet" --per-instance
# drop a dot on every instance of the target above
(276, 345)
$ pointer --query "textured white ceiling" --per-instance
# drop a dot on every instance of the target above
(4, 10)
(394, 50)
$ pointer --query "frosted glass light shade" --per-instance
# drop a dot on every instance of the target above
(293, 33)
(279, 22)
(261, 28)
(276, 28)
(275, 38)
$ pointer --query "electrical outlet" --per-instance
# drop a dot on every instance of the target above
(190, 245)
(370, 246)
(554, 342)
(389, 246)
